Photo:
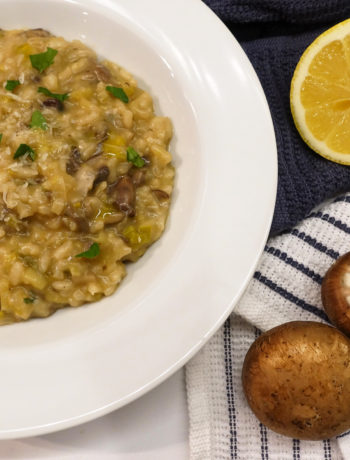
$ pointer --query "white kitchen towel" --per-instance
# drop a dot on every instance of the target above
(286, 286)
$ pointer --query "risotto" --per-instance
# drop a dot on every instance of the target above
(85, 174)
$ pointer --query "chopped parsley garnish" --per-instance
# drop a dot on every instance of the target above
(24, 149)
(28, 300)
(134, 157)
(47, 92)
(0, 137)
(11, 84)
(118, 93)
(38, 120)
(42, 61)
(92, 252)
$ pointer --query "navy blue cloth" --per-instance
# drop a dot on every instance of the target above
(274, 34)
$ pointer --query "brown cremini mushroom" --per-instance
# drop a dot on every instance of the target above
(336, 293)
(296, 378)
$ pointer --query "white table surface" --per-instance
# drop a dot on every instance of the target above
(154, 427)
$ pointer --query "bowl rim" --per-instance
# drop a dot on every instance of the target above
(245, 76)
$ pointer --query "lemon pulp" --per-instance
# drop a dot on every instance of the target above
(320, 94)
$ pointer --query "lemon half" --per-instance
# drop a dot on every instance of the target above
(320, 94)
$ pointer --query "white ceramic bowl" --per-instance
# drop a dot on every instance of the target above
(82, 363)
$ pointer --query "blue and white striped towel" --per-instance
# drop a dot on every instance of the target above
(286, 286)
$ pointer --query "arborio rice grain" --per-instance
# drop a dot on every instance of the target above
(85, 174)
